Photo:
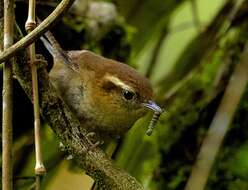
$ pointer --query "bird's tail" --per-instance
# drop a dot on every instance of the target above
(54, 48)
(47, 44)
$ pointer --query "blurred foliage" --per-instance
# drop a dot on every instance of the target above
(190, 68)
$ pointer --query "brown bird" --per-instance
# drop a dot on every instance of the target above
(107, 96)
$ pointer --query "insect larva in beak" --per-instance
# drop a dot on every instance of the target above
(153, 122)
(157, 112)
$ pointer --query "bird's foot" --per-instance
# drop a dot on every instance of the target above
(62, 147)
(94, 142)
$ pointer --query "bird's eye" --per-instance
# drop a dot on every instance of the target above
(128, 95)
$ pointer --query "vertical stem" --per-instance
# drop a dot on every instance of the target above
(219, 125)
(7, 93)
(37, 182)
(39, 166)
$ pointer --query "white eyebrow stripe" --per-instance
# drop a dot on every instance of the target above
(118, 82)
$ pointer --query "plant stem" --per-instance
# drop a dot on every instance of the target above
(7, 93)
(39, 166)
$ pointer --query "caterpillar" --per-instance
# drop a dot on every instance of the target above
(153, 122)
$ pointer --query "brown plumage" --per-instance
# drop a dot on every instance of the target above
(91, 61)
(107, 96)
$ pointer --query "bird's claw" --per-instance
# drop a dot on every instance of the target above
(92, 137)
(94, 145)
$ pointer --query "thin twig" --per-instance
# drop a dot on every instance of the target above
(37, 32)
(39, 166)
(7, 139)
(37, 182)
(219, 125)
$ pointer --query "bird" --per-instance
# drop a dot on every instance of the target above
(107, 96)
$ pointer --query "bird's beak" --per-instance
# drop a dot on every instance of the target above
(153, 106)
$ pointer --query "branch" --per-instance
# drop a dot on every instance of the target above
(7, 94)
(37, 32)
(39, 165)
(67, 128)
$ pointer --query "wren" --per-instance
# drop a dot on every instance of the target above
(106, 96)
